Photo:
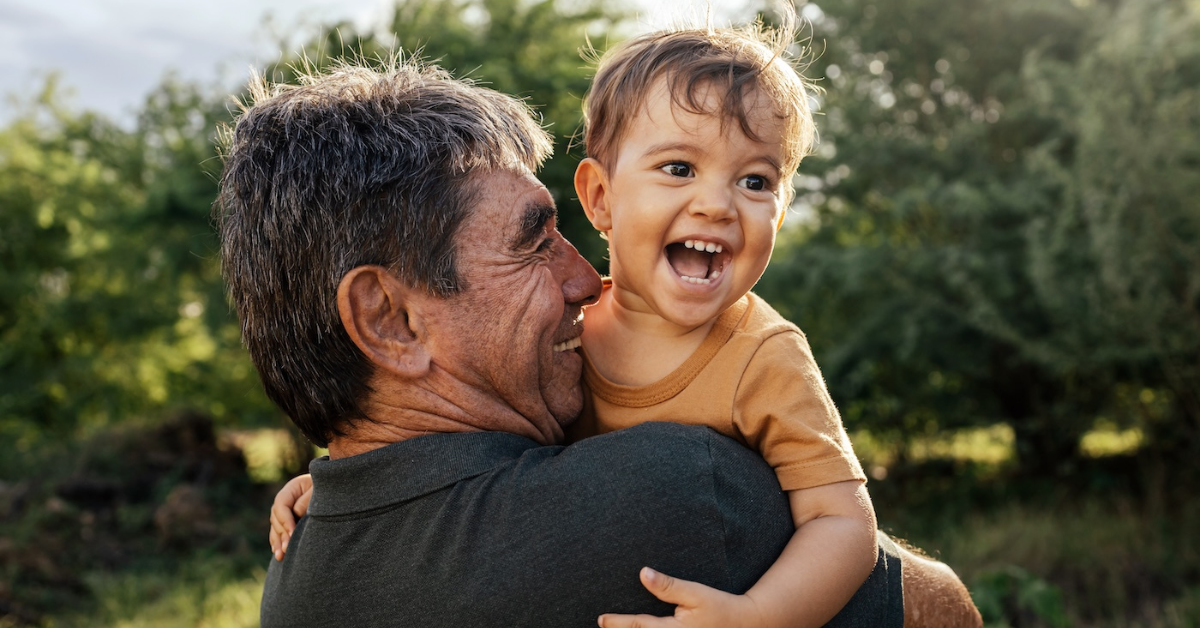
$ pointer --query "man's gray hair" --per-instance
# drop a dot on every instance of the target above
(351, 167)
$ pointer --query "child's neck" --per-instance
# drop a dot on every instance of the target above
(631, 345)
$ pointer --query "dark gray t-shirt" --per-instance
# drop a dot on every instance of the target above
(492, 529)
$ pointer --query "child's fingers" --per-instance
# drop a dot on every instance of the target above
(276, 540)
(281, 514)
(301, 506)
(611, 620)
(677, 591)
(290, 502)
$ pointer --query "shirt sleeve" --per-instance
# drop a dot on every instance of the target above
(783, 410)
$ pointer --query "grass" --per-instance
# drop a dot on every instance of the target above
(1101, 561)
(203, 592)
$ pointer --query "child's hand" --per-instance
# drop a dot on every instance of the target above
(697, 606)
(292, 498)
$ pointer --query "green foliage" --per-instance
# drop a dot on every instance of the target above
(137, 501)
(530, 49)
(1013, 591)
(112, 306)
(1001, 225)
(1121, 551)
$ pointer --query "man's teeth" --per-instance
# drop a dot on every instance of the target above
(568, 345)
(700, 245)
(702, 280)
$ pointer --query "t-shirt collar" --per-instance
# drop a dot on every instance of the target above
(407, 470)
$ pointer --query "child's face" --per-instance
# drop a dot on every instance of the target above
(690, 207)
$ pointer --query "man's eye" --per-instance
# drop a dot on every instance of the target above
(677, 169)
(755, 182)
(546, 245)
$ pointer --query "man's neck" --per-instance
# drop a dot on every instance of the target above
(396, 415)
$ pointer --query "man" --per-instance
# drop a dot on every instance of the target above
(409, 303)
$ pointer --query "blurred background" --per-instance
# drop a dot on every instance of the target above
(995, 254)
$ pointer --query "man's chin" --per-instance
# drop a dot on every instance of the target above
(566, 408)
(566, 422)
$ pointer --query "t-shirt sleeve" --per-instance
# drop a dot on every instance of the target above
(783, 410)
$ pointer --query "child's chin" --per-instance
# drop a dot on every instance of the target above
(689, 316)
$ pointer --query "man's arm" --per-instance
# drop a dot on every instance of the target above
(934, 597)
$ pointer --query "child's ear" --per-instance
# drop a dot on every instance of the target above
(591, 185)
(788, 197)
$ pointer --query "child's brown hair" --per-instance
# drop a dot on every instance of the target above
(741, 61)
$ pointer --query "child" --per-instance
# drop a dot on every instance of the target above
(693, 137)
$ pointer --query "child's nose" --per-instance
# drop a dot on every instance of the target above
(714, 202)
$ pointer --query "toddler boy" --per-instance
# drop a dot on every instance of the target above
(693, 137)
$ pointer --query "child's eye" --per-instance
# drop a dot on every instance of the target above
(677, 169)
(755, 182)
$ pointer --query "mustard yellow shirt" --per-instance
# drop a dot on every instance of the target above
(754, 379)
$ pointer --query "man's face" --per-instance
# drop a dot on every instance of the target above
(513, 333)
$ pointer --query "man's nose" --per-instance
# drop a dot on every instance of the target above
(580, 282)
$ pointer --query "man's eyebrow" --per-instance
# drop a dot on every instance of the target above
(533, 224)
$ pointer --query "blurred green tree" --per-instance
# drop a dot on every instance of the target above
(1001, 225)
(112, 307)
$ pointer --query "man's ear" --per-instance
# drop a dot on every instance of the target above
(378, 311)
(591, 185)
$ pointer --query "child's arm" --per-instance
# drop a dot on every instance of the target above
(292, 498)
(829, 557)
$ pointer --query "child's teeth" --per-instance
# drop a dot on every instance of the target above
(708, 247)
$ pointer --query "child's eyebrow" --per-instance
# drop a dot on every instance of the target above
(774, 163)
(533, 224)
(667, 147)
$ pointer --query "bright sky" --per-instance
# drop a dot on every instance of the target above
(111, 53)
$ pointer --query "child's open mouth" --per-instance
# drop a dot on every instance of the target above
(697, 261)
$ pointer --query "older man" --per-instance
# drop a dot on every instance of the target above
(409, 303)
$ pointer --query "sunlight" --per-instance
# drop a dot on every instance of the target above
(1107, 440)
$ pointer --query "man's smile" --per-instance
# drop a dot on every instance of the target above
(568, 345)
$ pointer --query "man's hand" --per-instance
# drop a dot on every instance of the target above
(290, 504)
(697, 606)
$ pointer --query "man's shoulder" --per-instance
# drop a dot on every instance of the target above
(545, 536)
(666, 451)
